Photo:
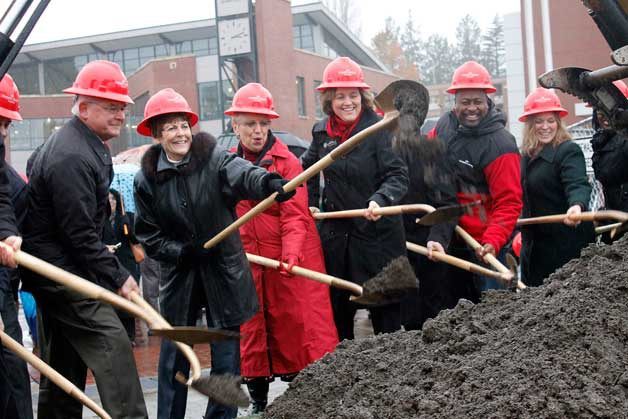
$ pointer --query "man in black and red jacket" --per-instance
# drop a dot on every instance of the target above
(486, 162)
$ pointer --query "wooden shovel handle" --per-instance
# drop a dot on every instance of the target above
(304, 176)
(392, 210)
(96, 292)
(492, 260)
(585, 216)
(186, 350)
(332, 281)
(459, 263)
(606, 228)
(52, 374)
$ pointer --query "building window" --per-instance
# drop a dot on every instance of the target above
(30, 133)
(161, 50)
(318, 112)
(200, 47)
(26, 77)
(59, 74)
(116, 57)
(301, 96)
(209, 99)
(302, 37)
(184, 47)
(146, 54)
(213, 45)
(131, 60)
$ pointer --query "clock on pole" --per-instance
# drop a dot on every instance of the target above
(237, 52)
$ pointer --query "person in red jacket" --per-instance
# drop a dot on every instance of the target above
(294, 325)
(486, 162)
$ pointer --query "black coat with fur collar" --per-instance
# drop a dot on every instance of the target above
(191, 203)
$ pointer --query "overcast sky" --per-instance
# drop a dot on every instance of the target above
(73, 18)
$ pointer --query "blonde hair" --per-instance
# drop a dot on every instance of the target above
(531, 144)
(327, 95)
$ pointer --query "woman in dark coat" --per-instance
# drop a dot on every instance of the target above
(185, 194)
(371, 175)
(553, 176)
(114, 233)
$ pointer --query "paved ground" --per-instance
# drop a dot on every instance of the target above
(146, 355)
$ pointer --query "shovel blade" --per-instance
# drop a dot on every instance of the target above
(446, 214)
(390, 285)
(193, 335)
(225, 389)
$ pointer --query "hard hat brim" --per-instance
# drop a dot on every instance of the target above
(234, 110)
(562, 112)
(488, 88)
(340, 84)
(9, 114)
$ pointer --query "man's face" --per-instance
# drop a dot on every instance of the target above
(471, 107)
(104, 117)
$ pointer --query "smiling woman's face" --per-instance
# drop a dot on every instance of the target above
(176, 137)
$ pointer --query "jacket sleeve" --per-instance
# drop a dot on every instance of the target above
(293, 214)
(240, 179)
(308, 158)
(503, 176)
(147, 230)
(573, 175)
(8, 225)
(610, 165)
(76, 221)
(391, 174)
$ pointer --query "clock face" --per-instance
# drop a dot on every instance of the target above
(231, 7)
(234, 36)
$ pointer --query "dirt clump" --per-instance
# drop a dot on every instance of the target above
(556, 351)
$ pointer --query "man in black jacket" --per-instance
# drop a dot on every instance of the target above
(67, 209)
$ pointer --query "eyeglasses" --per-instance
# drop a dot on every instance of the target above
(112, 109)
(173, 129)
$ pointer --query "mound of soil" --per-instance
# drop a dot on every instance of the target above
(556, 351)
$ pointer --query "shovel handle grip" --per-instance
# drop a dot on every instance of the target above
(332, 281)
(392, 210)
(585, 216)
(304, 176)
(606, 228)
(459, 263)
(52, 374)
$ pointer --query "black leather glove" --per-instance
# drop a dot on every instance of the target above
(193, 253)
(274, 183)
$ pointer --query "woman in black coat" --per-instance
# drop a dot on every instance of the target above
(553, 176)
(185, 194)
(371, 175)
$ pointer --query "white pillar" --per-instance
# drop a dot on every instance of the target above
(529, 27)
(547, 35)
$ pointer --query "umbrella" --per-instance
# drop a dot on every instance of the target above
(123, 175)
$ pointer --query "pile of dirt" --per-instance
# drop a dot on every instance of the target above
(556, 351)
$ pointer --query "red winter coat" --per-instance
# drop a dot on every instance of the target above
(294, 325)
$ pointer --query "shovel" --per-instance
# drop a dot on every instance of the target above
(585, 216)
(52, 374)
(223, 389)
(607, 228)
(386, 102)
(445, 214)
(459, 263)
(392, 210)
(372, 293)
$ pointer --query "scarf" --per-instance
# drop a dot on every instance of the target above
(338, 128)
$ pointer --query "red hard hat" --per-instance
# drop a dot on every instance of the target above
(253, 98)
(343, 72)
(542, 100)
(101, 79)
(471, 75)
(516, 244)
(164, 102)
(9, 99)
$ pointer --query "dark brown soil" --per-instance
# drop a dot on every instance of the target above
(557, 351)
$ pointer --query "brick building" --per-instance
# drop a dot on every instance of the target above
(184, 56)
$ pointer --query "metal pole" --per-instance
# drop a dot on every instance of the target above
(530, 57)
(547, 36)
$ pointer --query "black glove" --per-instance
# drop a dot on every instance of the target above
(193, 253)
(274, 183)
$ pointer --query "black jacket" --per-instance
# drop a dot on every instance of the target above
(19, 196)
(610, 164)
(370, 172)
(192, 202)
(67, 207)
(552, 182)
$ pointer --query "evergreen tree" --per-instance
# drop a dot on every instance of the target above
(438, 63)
(468, 36)
(411, 43)
(493, 49)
